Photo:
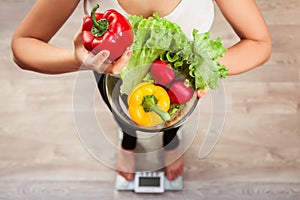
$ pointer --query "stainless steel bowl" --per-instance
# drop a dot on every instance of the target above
(118, 105)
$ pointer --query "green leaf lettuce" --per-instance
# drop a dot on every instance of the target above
(155, 37)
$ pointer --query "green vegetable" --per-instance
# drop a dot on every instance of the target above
(153, 36)
(175, 108)
(205, 66)
(157, 38)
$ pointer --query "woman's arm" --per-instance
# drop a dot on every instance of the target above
(30, 46)
(255, 45)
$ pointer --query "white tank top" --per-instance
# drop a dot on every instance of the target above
(189, 14)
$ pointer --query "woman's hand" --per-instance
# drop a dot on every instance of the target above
(99, 62)
(201, 93)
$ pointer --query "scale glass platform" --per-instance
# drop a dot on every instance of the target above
(149, 182)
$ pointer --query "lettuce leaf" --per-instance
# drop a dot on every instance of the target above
(153, 36)
(206, 52)
(158, 38)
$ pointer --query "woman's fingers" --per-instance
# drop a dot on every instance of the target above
(202, 93)
(101, 64)
(117, 66)
(96, 62)
(99, 61)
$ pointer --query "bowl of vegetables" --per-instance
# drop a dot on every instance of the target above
(156, 89)
(165, 101)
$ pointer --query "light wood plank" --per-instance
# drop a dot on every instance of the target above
(257, 157)
(101, 190)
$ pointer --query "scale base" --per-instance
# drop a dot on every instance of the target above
(122, 184)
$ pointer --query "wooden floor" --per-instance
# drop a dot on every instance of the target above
(257, 157)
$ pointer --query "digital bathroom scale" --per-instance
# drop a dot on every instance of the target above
(149, 182)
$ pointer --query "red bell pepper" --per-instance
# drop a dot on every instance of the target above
(107, 31)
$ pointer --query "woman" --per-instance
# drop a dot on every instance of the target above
(33, 34)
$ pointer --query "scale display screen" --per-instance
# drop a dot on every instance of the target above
(149, 181)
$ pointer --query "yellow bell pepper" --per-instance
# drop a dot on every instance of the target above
(148, 104)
